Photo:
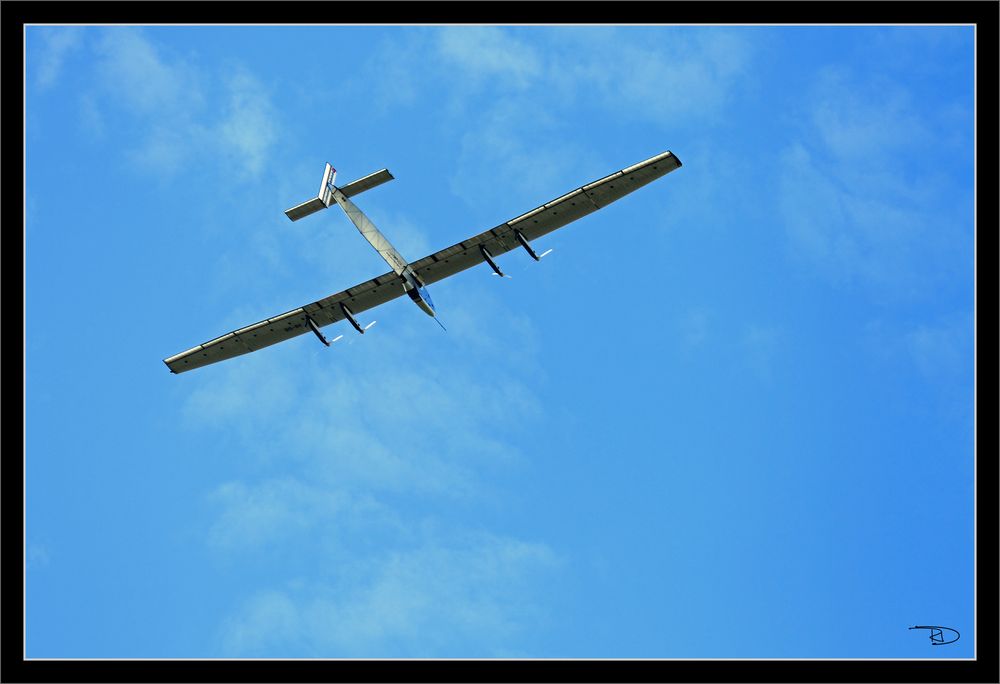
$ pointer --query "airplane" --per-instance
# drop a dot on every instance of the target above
(412, 278)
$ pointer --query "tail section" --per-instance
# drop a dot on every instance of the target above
(326, 189)
(367, 183)
(321, 201)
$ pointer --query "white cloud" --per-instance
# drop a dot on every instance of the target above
(246, 392)
(366, 441)
(432, 600)
(852, 124)
(943, 350)
(38, 556)
(543, 79)
(859, 200)
(676, 76)
(393, 75)
(520, 153)
(261, 515)
(939, 350)
(270, 618)
(813, 209)
(695, 327)
(91, 119)
(248, 129)
(165, 149)
(57, 43)
(136, 73)
(753, 348)
(175, 110)
(288, 513)
(488, 56)
(661, 76)
(398, 426)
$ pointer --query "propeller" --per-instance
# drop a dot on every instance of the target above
(370, 325)
(503, 276)
(544, 253)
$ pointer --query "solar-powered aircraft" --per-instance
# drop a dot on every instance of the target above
(413, 278)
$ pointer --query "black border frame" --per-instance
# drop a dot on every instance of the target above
(15, 14)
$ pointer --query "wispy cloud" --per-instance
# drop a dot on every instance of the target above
(518, 93)
(342, 457)
(285, 511)
(38, 556)
(434, 600)
(256, 515)
(935, 357)
(269, 619)
(523, 151)
(394, 72)
(751, 347)
(858, 201)
(247, 392)
(658, 78)
(142, 78)
(57, 44)
(176, 110)
(489, 55)
(639, 75)
(247, 130)
(426, 429)
(944, 349)
(695, 327)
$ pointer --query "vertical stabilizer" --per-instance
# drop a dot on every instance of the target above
(327, 187)
(322, 200)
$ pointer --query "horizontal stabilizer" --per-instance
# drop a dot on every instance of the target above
(325, 197)
(306, 208)
(367, 183)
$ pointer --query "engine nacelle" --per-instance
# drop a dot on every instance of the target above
(489, 259)
(350, 317)
(316, 331)
(524, 243)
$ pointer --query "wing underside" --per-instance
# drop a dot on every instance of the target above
(361, 297)
(371, 293)
(544, 219)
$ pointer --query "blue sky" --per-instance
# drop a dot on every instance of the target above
(731, 415)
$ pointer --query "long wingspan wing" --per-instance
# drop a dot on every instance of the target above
(430, 269)
(544, 219)
(290, 324)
